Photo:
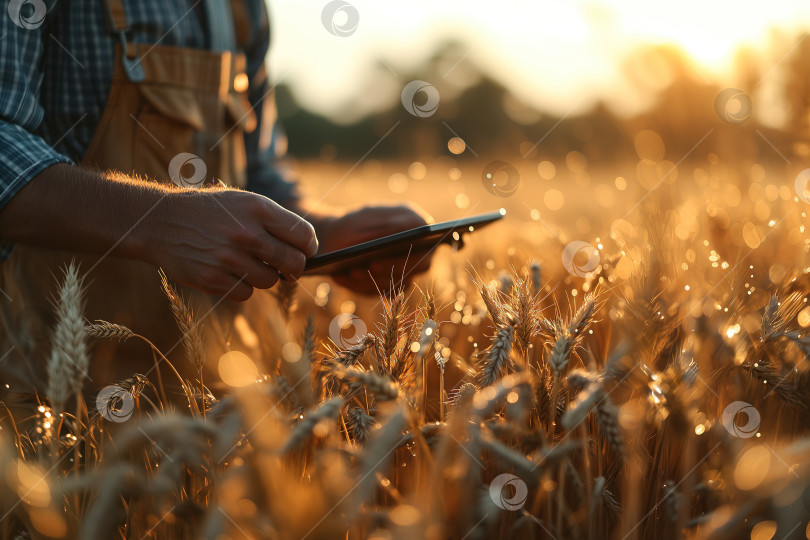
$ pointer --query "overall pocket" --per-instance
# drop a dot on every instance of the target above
(172, 132)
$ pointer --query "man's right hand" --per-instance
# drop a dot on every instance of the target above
(228, 242)
(222, 241)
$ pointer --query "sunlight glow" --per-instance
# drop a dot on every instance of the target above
(557, 56)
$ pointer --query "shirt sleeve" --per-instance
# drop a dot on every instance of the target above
(23, 153)
(269, 173)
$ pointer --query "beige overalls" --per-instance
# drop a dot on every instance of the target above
(163, 101)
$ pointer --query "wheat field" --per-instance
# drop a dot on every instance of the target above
(651, 383)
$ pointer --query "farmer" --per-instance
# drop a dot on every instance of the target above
(121, 121)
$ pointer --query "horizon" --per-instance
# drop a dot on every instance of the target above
(576, 57)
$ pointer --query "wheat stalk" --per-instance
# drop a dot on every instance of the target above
(537, 282)
(607, 416)
(284, 293)
(570, 335)
(578, 410)
(308, 347)
(391, 325)
(191, 330)
(379, 385)
(498, 356)
(429, 303)
(108, 330)
(353, 354)
(526, 315)
(361, 423)
(426, 339)
(561, 353)
(492, 303)
(69, 360)
(508, 425)
(326, 411)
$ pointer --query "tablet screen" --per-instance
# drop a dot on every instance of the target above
(417, 242)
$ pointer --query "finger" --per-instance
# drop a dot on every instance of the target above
(288, 260)
(218, 283)
(259, 274)
(393, 220)
(290, 228)
(239, 291)
(230, 287)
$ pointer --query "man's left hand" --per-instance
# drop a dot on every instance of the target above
(368, 223)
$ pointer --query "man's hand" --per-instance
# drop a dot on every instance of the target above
(209, 239)
(368, 223)
(229, 242)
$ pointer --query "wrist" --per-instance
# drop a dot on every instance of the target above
(147, 234)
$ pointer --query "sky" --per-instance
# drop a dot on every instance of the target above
(559, 56)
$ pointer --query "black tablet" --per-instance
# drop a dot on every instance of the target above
(416, 241)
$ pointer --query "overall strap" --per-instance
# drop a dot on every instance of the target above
(117, 20)
(228, 27)
(242, 24)
(116, 16)
(220, 25)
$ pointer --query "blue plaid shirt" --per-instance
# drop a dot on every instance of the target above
(55, 78)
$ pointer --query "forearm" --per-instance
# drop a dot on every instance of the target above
(68, 207)
(219, 240)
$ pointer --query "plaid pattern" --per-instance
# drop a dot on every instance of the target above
(54, 82)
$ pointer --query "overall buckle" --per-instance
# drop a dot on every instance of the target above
(132, 66)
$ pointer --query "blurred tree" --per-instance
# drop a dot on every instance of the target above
(797, 95)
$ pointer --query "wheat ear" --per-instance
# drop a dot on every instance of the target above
(108, 330)
(498, 355)
(70, 359)
(189, 327)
